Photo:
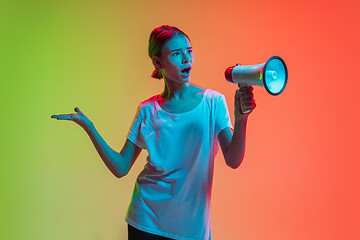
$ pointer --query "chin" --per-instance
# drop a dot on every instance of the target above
(183, 80)
(180, 79)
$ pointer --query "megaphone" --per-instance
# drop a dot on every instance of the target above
(272, 75)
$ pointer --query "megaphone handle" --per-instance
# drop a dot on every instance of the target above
(243, 85)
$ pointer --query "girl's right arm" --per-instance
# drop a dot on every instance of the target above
(118, 163)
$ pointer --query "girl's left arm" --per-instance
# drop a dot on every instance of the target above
(233, 143)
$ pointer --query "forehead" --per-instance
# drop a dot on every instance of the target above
(176, 42)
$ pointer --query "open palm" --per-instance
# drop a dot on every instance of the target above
(79, 117)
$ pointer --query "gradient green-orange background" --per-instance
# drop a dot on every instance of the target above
(300, 176)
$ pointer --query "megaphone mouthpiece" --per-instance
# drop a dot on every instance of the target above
(228, 74)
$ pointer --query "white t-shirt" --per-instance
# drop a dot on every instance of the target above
(172, 194)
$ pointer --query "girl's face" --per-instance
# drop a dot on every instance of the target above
(177, 59)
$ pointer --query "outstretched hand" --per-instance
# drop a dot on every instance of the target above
(244, 101)
(79, 117)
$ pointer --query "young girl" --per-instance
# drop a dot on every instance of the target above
(181, 129)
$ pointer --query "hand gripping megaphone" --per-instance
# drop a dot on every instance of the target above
(272, 75)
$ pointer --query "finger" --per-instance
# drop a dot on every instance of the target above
(240, 93)
(79, 112)
(240, 85)
(249, 105)
(248, 109)
(246, 91)
(55, 116)
(246, 88)
(248, 101)
(247, 95)
(237, 94)
(63, 116)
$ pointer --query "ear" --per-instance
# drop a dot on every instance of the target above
(157, 62)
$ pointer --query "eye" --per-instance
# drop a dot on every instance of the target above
(190, 51)
(176, 53)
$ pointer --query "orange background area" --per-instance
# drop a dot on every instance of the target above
(300, 176)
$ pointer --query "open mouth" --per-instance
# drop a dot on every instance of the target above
(186, 70)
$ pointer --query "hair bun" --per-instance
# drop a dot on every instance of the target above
(156, 74)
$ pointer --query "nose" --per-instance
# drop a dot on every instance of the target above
(185, 58)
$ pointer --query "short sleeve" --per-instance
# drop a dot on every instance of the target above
(222, 116)
(135, 135)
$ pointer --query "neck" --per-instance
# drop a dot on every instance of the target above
(175, 90)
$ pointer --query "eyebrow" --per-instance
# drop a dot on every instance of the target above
(179, 49)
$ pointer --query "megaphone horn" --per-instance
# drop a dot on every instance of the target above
(272, 75)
